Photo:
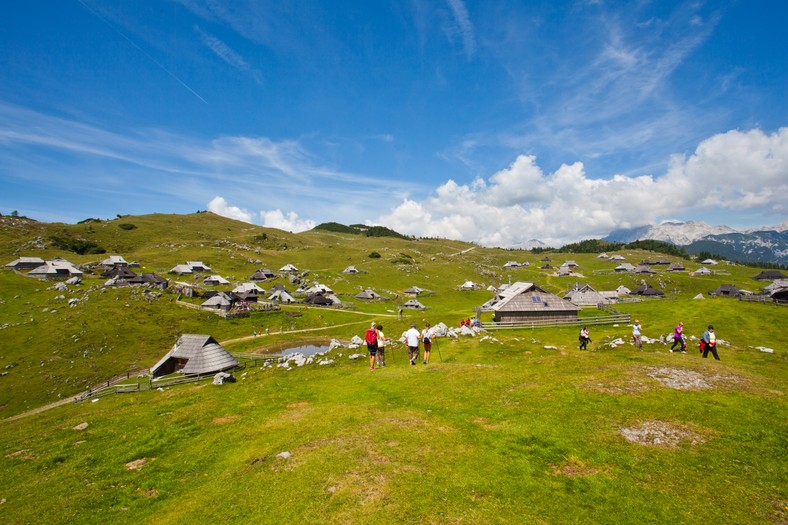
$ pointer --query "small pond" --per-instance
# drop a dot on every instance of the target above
(306, 349)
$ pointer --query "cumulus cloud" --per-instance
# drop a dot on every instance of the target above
(219, 206)
(272, 219)
(289, 222)
(731, 170)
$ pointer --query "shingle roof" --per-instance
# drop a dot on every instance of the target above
(203, 354)
(524, 296)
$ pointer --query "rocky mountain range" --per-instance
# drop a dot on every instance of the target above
(766, 244)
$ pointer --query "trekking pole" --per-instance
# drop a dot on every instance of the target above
(438, 348)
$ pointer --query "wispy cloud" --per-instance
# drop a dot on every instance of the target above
(224, 52)
(259, 172)
(463, 26)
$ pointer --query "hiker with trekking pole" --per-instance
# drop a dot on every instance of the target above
(382, 340)
(426, 338)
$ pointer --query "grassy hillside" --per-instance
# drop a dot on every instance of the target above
(522, 428)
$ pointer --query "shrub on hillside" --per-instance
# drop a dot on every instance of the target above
(126, 226)
(80, 246)
(374, 255)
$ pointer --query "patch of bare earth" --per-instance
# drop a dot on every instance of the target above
(150, 493)
(577, 469)
(138, 463)
(683, 379)
(225, 419)
(661, 434)
(628, 387)
(21, 454)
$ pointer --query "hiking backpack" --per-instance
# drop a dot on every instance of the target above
(372, 337)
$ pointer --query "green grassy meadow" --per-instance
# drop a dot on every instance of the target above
(520, 427)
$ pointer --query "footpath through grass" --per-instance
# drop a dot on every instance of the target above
(498, 432)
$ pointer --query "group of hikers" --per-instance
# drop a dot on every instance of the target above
(708, 341)
(376, 342)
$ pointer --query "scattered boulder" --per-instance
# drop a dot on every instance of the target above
(222, 378)
(284, 455)
(81, 426)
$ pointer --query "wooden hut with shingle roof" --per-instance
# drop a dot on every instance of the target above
(726, 290)
(770, 275)
(585, 295)
(150, 279)
(195, 354)
(523, 302)
(676, 267)
(262, 274)
(25, 263)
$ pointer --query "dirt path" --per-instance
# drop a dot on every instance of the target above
(304, 330)
(70, 399)
(41, 409)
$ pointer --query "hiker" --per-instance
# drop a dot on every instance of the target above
(708, 343)
(636, 333)
(371, 338)
(678, 338)
(412, 337)
(381, 354)
(584, 338)
(426, 338)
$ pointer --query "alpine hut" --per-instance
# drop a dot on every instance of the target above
(55, 269)
(676, 267)
(150, 279)
(414, 304)
(262, 274)
(368, 294)
(524, 302)
(215, 280)
(195, 355)
(585, 295)
(770, 275)
(25, 263)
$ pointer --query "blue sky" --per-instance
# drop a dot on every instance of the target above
(495, 122)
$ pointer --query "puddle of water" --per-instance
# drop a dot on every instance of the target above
(306, 349)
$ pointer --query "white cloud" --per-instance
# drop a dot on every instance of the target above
(219, 206)
(289, 222)
(464, 26)
(736, 170)
(271, 219)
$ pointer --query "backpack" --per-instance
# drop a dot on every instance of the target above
(372, 337)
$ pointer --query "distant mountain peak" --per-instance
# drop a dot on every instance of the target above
(764, 244)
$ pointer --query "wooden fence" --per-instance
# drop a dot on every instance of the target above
(613, 317)
(124, 384)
